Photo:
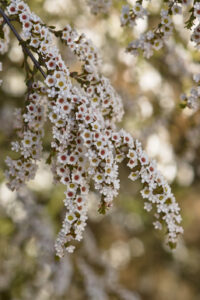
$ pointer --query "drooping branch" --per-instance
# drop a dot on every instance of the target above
(85, 142)
(22, 43)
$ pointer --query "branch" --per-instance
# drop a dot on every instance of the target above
(22, 43)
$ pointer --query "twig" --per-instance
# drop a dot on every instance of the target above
(22, 43)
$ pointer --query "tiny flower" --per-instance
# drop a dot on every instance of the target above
(166, 20)
(196, 77)
(21, 6)
(143, 158)
(167, 30)
(35, 42)
(134, 176)
(119, 158)
(116, 137)
(99, 178)
(87, 135)
(150, 35)
(157, 225)
(84, 189)
(54, 117)
(24, 17)
(70, 218)
(138, 9)
(66, 108)
(15, 146)
(146, 192)
(94, 161)
(128, 139)
(27, 25)
(37, 28)
(70, 249)
(50, 80)
(61, 83)
(125, 15)
(197, 10)
(51, 65)
(95, 126)
(157, 44)
(11, 9)
(72, 159)
(176, 9)
(27, 142)
(62, 158)
(76, 177)
(147, 206)
(132, 163)
(88, 119)
(70, 194)
(132, 154)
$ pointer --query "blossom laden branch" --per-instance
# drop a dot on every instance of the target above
(22, 42)
(86, 144)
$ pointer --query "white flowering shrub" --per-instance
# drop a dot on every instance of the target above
(84, 109)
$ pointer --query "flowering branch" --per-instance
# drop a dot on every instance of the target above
(153, 40)
(86, 145)
(22, 43)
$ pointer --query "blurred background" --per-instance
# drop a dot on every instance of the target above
(121, 256)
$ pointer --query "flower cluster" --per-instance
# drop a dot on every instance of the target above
(193, 99)
(81, 47)
(195, 20)
(156, 38)
(129, 16)
(103, 97)
(195, 37)
(152, 39)
(29, 125)
(23, 11)
(155, 190)
(86, 144)
(99, 6)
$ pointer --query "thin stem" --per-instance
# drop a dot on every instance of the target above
(22, 43)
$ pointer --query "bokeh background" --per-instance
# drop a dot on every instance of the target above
(121, 256)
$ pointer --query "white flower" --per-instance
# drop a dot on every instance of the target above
(196, 77)
(157, 225)
(99, 178)
(197, 10)
(70, 217)
(125, 15)
(147, 206)
(50, 80)
(134, 175)
(176, 9)
(157, 44)
(15, 146)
